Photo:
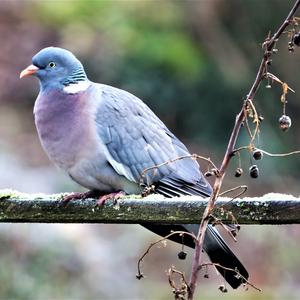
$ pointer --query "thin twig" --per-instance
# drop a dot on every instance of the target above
(246, 123)
(244, 190)
(237, 150)
(193, 156)
(275, 78)
(230, 270)
(280, 154)
(267, 46)
(266, 153)
(140, 274)
(256, 121)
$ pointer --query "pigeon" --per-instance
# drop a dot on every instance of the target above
(109, 141)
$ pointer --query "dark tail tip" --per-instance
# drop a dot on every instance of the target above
(219, 253)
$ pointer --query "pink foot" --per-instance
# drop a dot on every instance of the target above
(82, 196)
(114, 196)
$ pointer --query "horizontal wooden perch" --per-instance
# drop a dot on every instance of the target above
(269, 209)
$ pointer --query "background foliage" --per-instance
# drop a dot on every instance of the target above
(192, 62)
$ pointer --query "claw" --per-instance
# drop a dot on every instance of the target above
(114, 196)
(81, 196)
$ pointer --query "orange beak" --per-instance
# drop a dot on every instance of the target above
(29, 71)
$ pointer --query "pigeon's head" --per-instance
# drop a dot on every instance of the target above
(55, 68)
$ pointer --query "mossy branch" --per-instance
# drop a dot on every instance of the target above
(269, 209)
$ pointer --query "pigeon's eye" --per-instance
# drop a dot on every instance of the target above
(52, 64)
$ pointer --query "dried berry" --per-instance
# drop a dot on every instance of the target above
(182, 255)
(257, 154)
(215, 171)
(223, 289)
(291, 47)
(296, 39)
(285, 122)
(139, 276)
(208, 174)
(238, 172)
(233, 232)
(254, 171)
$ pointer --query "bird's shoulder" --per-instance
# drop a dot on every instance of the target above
(124, 104)
(138, 139)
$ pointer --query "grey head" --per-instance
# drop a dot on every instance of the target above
(55, 68)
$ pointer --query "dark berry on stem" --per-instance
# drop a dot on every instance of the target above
(223, 289)
(238, 172)
(208, 174)
(291, 47)
(254, 171)
(296, 39)
(182, 255)
(257, 154)
(285, 122)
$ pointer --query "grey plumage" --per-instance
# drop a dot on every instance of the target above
(138, 139)
(105, 138)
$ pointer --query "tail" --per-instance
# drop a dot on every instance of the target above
(219, 253)
(215, 247)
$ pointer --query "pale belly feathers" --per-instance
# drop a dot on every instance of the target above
(71, 142)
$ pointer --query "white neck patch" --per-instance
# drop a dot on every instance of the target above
(75, 88)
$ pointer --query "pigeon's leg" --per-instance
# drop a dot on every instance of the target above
(82, 196)
(114, 196)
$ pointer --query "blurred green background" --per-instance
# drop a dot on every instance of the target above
(192, 62)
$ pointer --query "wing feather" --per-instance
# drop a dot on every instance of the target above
(137, 140)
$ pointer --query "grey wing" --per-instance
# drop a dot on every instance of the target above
(140, 144)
